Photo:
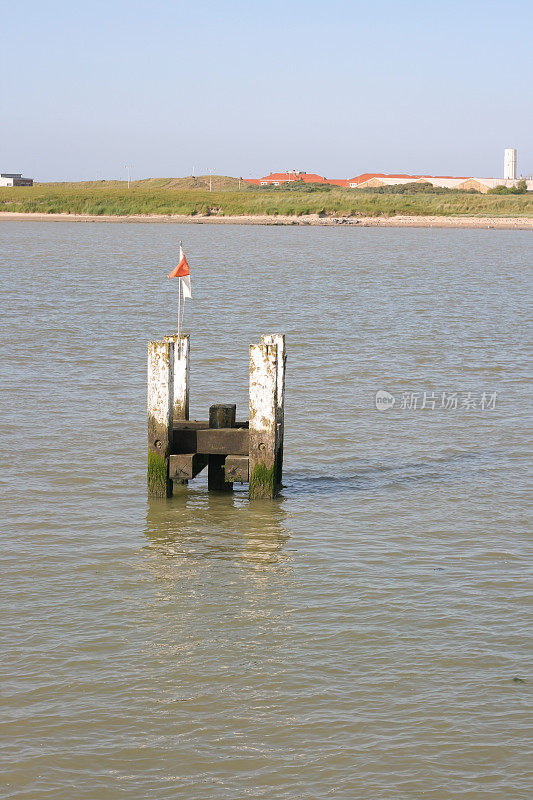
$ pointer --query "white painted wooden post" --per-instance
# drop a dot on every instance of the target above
(181, 374)
(278, 340)
(160, 415)
(263, 405)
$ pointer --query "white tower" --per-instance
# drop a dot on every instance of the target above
(509, 164)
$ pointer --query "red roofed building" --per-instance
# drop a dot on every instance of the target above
(277, 178)
(338, 182)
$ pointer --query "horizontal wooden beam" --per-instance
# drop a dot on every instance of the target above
(236, 468)
(187, 438)
(185, 466)
(190, 424)
(184, 440)
(221, 441)
(200, 424)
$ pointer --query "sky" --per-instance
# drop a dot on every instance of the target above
(336, 87)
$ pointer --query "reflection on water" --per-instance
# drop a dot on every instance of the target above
(195, 523)
(209, 552)
(221, 580)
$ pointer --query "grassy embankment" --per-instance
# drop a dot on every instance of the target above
(189, 196)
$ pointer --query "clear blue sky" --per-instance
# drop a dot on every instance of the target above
(337, 86)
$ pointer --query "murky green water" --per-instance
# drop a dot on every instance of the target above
(366, 635)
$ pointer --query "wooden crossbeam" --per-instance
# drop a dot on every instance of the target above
(222, 441)
(185, 466)
(200, 424)
(190, 436)
(236, 468)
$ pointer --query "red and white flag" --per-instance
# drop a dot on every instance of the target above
(183, 272)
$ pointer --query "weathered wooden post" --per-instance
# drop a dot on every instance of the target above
(278, 339)
(262, 432)
(181, 382)
(181, 374)
(160, 416)
(220, 416)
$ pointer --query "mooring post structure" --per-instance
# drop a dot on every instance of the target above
(262, 430)
(160, 416)
(249, 451)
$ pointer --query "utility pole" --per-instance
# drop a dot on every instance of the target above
(211, 172)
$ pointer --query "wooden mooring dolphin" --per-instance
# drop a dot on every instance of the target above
(248, 451)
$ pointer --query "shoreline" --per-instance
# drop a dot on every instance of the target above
(502, 223)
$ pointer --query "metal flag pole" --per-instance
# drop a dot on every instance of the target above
(179, 307)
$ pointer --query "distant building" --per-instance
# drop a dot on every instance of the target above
(14, 179)
(509, 164)
(371, 179)
(445, 181)
(277, 178)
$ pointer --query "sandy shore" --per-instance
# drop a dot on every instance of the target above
(520, 223)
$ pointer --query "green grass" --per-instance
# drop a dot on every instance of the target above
(179, 196)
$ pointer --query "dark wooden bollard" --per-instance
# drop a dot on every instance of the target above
(220, 416)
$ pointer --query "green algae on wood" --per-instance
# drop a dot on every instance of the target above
(159, 484)
(262, 482)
